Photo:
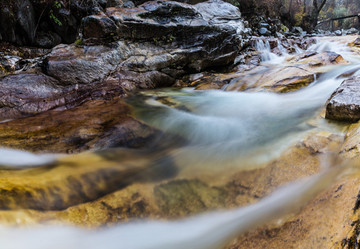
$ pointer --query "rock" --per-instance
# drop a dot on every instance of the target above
(264, 31)
(27, 94)
(57, 187)
(99, 27)
(338, 33)
(165, 23)
(306, 43)
(319, 59)
(344, 104)
(221, 14)
(315, 226)
(170, 52)
(81, 65)
(114, 3)
(181, 198)
(47, 40)
(298, 30)
(357, 41)
(286, 78)
(129, 4)
(351, 146)
(352, 31)
(96, 124)
(264, 25)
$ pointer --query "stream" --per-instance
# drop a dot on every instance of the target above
(210, 135)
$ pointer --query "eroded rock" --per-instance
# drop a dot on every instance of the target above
(97, 124)
(344, 104)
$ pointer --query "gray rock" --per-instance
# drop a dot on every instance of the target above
(357, 41)
(297, 30)
(47, 40)
(344, 104)
(352, 31)
(81, 65)
(129, 4)
(26, 94)
(338, 33)
(264, 31)
(264, 25)
(185, 36)
(99, 27)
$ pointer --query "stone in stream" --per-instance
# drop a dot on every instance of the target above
(96, 124)
(297, 72)
(264, 31)
(344, 104)
(357, 41)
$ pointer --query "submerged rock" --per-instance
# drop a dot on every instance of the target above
(344, 104)
(181, 198)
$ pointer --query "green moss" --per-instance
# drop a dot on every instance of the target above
(184, 197)
(79, 42)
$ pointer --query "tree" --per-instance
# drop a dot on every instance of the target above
(310, 19)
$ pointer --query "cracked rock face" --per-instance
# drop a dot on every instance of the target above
(344, 104)
(207, 34)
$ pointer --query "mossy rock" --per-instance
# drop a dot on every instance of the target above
(184, 197)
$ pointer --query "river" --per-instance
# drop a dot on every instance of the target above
(209, 135)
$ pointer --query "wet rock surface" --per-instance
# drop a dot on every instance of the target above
(344, 104)
(96, 124)
(122, 194)
(295, 73)
(145, 47)
(188, 37)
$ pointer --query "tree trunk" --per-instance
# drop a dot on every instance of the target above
(310, 20)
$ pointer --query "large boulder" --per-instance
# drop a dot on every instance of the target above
(27, 94)
(72, 65)
(344, 104)
(207, 33)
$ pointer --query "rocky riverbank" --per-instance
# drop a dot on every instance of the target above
(143, 160)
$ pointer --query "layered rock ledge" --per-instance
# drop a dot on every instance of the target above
(125, 49)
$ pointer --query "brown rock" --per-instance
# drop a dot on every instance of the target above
(344, 103)
(94, 125)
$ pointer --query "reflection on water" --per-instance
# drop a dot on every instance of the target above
(202, 131)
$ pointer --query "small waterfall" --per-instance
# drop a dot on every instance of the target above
(297, 49)
(266, 54)
(282, 50)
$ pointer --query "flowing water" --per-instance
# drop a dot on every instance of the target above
(209, 133)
